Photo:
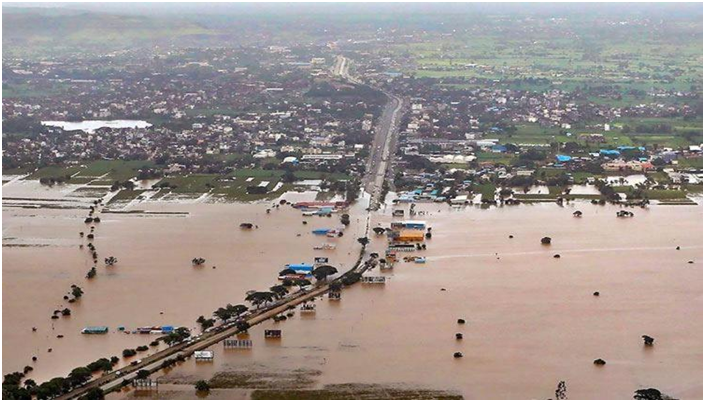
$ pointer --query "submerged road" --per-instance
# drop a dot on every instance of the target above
(152, 363)
(384, 142)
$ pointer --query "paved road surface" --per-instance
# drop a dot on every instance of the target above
(384, 141)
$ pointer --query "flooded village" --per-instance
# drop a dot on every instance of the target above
(376, 214)
(484, 266)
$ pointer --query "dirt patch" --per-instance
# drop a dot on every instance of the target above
(258, 379)
(356, 391)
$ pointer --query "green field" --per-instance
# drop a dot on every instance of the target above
(561, 63)
(115, 169)
(234, 186)
(487, 190)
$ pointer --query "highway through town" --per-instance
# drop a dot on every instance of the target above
(384, 142)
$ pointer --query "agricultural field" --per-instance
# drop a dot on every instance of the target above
(636, 62)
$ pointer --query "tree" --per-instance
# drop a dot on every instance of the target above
(129, 352)
(54, 387)
(229, 311)
(279, 291)
(561, 391)
(222, 313)
(323, 271)
(351, 278)
(79, 375)
(93, 394)
(76, 291)
(91, 273)
(176, 336)
(202, 386)
(650, 394)
(288, 176)
(258, 298)
(100, 365)
(237, 309)
(301, 283)
(363, 240)
(142, 374)
(207, 324)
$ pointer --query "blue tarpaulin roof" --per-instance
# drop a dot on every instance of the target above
(609, 152)
(627, 148)
(563, 158)
(300, 267)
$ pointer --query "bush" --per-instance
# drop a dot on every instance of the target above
(142, 374)
(93, 394)
(202, 386)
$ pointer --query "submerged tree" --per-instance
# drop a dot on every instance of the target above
(650, 394)
(202, 386)
(279, 291)
(259, 298)
(91, 273)
(561, 391)
(324, 271)
(301, 283)
(76, 291)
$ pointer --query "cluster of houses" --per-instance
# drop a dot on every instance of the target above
(207, 114)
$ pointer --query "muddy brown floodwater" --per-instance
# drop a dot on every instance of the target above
(531, 319)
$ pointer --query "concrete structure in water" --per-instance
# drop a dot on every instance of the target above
(95, 330)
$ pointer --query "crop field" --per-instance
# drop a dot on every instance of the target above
(564, 62)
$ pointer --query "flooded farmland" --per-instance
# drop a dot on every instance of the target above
(531, 318)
